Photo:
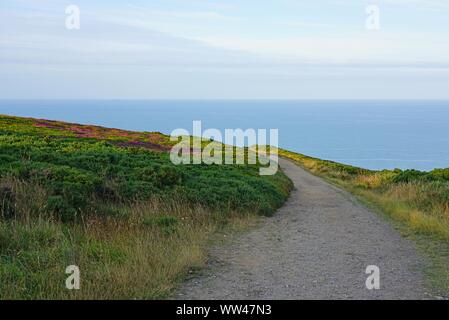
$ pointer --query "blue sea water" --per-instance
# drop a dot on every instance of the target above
(369, 134)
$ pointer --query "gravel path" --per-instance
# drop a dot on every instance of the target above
(316, 247)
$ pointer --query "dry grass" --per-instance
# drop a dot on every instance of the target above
(401, 208)
(143, 254)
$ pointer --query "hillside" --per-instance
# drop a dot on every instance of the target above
(111, 202)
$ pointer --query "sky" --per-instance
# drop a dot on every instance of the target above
(225, 49)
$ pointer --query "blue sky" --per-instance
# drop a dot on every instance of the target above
(235, 49)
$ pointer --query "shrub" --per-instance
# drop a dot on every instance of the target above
(440, 174)
(409, 176)
(78, 173)
(59, 206)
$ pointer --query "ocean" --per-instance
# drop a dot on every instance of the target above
(370, 134)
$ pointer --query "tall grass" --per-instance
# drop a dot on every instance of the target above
(142, 254)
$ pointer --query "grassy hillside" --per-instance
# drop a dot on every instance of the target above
(111, 202)
(417, 201)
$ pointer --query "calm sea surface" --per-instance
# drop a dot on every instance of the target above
(370, 134)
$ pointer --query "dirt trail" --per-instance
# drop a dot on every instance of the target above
(316, 247)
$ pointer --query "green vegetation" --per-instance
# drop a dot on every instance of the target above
(418, 203)
(111, 202)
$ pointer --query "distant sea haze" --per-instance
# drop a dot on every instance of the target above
(370, 134)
